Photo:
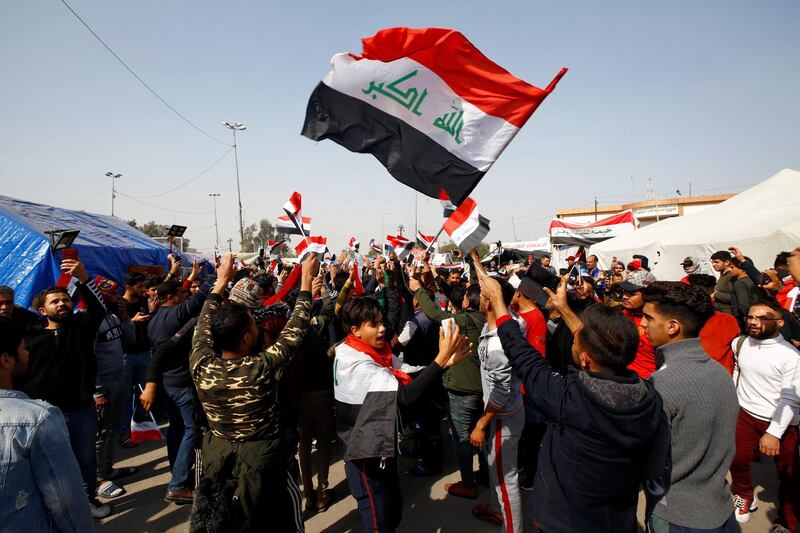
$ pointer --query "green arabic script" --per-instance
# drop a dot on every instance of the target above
(451, 123)
(411, 99)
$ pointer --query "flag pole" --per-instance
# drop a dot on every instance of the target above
(436, 238)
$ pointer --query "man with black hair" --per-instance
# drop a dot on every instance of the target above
(25, 319)
(137, 346)
(559, 342)
(721, 263)
(369, 386)
(632, 306)
(767, 375)
(607, 433)
(62, 368)
(174, 311)
(245, 482)
(40, 489)
(500, 426)
(463, 384)
(419, 343)
(744, 291)
(720, 329)
(700, 402)
(546, 264)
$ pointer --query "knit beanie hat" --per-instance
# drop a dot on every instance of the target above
(246, 292)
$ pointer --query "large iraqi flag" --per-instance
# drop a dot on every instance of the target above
(427, 104)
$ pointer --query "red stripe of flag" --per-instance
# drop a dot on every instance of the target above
(459, 215)
(468, 72)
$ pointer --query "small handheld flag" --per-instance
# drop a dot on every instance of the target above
(426, 242)
(466, 226)
(311, 244)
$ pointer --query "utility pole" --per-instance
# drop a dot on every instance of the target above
(114, 178)
(230, 245)
(400, 229)
(382, 235)
(514, 227)
(237, 126)
(416, 227)
(595, 208)
(216, 226)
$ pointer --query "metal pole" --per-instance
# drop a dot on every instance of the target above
(514, 226)
(238, 191)
(595, 208)
(416, 228)
(216, 226)
(113, 193)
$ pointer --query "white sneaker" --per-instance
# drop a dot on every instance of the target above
(743, 507)
(99, 510)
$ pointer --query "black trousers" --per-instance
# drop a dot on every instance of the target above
(375, 485)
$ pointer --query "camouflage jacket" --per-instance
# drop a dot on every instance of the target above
(240, 396)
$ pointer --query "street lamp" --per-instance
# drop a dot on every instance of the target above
(114, 178)
(237, 126)
(382, 235)
(216, 227)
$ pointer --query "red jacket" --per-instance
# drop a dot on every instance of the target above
(645, 362)
(716, 338)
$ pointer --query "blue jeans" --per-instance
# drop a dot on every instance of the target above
(82, 427)
(135, 374)
(180, 437)
(463, 412)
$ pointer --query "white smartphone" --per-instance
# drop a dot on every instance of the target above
(449, 326)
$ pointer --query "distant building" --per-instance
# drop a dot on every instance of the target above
(646, 212)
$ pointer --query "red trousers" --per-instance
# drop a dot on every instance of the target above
(749, 431)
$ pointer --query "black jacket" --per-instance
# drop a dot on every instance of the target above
(170, 361)
(168, 320)
(62, 366)
(140, 341)
(600, 443)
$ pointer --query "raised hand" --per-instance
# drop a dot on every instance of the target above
(310, 268)
(225, 272)
(75, 268)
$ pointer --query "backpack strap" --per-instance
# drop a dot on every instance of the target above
(739, 343)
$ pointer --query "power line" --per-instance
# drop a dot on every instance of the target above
(164, 208)
(146, 86)
(215, 163)
(89, 198)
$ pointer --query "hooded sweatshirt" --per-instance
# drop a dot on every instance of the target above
(606, 435)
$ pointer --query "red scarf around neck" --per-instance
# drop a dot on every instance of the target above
(383, 358)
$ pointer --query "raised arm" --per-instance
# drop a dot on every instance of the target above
(281, 353)
(543, 386)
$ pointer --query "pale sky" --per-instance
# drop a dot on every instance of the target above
(700, 92)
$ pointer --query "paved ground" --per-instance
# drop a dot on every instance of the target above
(426, 506)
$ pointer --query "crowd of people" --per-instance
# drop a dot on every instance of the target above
(587, 388)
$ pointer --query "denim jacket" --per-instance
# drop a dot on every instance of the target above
(40, 483)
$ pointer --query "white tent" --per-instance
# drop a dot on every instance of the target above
(761, 221)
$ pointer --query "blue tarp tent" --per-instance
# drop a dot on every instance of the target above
(106, 245)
